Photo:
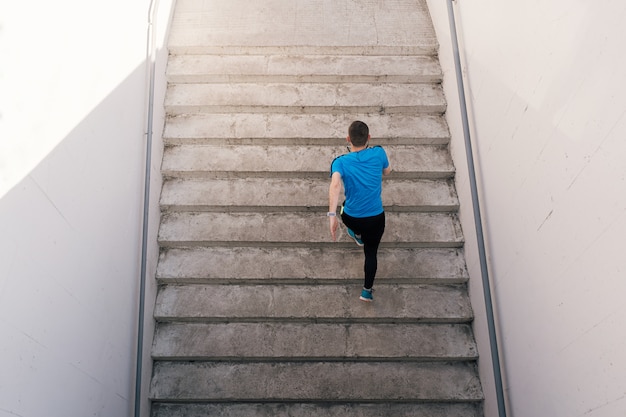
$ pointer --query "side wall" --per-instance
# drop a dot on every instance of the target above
(439, 14)
(547, 100)
(73, 99)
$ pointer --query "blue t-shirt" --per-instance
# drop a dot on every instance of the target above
(362, 175)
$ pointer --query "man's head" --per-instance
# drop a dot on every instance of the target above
(358, 133)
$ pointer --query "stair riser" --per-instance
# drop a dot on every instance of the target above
(306, 129)
(197, 159)
(304, 98)
(393, 303)
(300, 265)
(302, 68)
(419, 409)
(311, 341)
(325, 381)
(208, 228)
(296, 194)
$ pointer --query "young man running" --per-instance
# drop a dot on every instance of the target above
(361, 172)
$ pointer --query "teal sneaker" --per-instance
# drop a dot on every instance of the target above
(357, 238)
(366, 295)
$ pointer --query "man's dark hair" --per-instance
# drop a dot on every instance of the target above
(358, 133)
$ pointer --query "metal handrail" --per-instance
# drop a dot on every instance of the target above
(151, 61)
(493, 338)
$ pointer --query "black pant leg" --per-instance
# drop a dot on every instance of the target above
(371, 230)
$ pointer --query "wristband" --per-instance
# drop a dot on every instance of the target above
(331, 214)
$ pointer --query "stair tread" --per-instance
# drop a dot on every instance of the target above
(304, 97)
(312, 341)
(304, 127)
(294, 409)
(397, 302)
(326, 381)
(200, 228)
(302, 68)
(235, 264)
(243, 26)
(220, 193)
(296, 158)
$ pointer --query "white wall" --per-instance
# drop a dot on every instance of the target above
(439, 14)
(73, 88)
(548, 98)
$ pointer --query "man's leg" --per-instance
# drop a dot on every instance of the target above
(371, 233)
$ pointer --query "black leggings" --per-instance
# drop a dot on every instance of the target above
(371, 230)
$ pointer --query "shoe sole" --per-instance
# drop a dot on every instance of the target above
(356, 241)
(354, 238)
(367, 300)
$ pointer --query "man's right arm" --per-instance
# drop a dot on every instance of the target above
(333, 201)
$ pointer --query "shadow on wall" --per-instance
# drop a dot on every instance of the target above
(70, 246)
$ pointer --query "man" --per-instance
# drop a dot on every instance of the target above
(361, 172)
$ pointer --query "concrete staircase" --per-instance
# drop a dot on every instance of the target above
(258, 311)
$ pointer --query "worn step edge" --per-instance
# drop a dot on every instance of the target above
(291, 409)
(192, 228)
(320, 209)
(240, 264)
(321, 381)
(209, 140)
(173, 110)
(313, 341)
(226, 78)
(303, 128)
(302, 68)
(235, 302)
(275, 159)
(296, 194)
(299, 98)
(445, 174)
(179, 48)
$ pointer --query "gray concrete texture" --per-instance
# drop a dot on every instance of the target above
(296, 194)
(293, 228)
(306, 129)
(311, 381)
(302, 265)
(257, 312)
(412, 161)
(291, 409)
(328, 302)
(303, 68)
(313, 341)
(342, 26)
(305, 98)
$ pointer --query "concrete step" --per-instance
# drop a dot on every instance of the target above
(393, 303)
(302, 68)
(304, 129)
(286, 26)
(407, 161)
(296, 194)
(419, 409)
(257, 311)
(313, 341)
(307, 265)
(318, 381)
(297, 98)
(293, 229)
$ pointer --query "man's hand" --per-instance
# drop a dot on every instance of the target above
(334, 224)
